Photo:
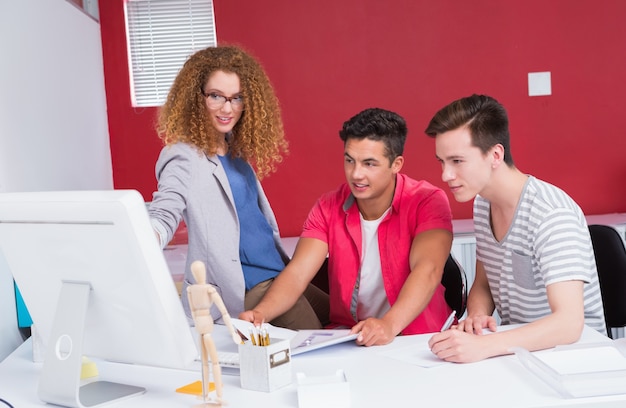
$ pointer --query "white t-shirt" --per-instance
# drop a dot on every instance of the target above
(372, 299)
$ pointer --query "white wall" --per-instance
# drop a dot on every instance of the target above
(53, 122)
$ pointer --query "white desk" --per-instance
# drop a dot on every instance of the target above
(375, 381)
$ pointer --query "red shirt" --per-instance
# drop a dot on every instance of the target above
(417, 206)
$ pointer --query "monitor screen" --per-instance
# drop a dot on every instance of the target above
(96, 283)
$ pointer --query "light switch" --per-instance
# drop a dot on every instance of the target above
(539, 83)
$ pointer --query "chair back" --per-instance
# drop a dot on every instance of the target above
(610, 257)
(455, 282)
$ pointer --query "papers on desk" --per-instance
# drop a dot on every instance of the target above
(308, 340)
(224, 341)
(300, 340)
(418, 354)
(580, 370)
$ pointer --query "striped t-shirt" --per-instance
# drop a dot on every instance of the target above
(547, 242)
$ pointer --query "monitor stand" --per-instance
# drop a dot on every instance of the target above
(60, 377)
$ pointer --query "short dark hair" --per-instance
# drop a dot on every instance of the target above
(485, 118)
(380, 125)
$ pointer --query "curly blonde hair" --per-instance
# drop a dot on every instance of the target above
(258, 137)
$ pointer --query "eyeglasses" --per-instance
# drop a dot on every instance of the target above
(216, 101)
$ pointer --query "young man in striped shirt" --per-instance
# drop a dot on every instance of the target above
(534, 258)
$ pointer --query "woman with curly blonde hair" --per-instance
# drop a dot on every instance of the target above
(220, 119)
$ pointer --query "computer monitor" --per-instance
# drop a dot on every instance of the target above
(96, 284)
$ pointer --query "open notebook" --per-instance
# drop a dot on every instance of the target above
(300, 341)
(308, 340)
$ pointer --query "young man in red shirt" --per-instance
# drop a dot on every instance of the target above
(387, 238)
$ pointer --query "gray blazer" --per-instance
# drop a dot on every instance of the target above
(194, 187)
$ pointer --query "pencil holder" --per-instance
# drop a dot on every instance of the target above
(265, 368)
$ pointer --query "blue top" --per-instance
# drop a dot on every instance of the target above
(23, 317)
(260, 259)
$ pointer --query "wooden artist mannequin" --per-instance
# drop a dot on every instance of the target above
(201, 297)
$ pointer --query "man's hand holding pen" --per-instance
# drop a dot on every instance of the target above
(462, 343)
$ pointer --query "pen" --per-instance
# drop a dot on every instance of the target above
(266, 337)
(253, 337)
(261, 338)
(449, 321)
(243, 337)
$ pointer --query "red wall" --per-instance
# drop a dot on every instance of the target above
(330, 59)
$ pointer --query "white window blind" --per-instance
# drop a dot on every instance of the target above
(161, 35)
